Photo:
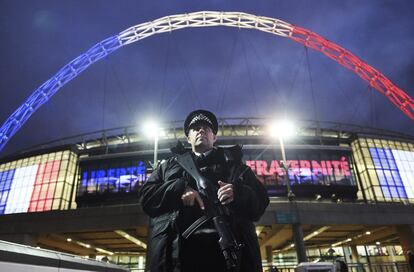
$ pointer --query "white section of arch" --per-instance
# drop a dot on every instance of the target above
(205, 19)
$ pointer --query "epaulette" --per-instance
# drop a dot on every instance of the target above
(179, 149)
(233, 153)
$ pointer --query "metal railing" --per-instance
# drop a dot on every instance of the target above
(379, 267)
(228, 127)
(357, 267)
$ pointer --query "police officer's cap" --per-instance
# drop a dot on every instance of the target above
(201, 116)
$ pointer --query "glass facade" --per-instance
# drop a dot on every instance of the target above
(385, 168)
(39, 183)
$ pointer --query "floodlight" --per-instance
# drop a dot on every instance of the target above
(151, 129)
(282, 129)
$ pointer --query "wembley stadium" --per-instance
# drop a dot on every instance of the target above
(352, 190)
(339, 193)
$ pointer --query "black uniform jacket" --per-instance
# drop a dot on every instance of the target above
(161, 200)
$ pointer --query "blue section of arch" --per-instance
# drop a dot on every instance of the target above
(51, 86)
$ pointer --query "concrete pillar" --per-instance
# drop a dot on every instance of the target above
(269, 255)
(355, 255)
(390, 250)
(147, 253)
(406, 236)
(347, 254)
(368, 257)
(299, 243)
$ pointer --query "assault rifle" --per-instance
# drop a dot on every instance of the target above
(215, 211)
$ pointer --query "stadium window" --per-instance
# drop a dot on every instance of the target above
(386, 192)
(43, 191)
(392, 165)
(43, 158)
(55, 166)
(56, 204)
(40, 205)
(366, 153)
(51, 156)
(388, 177)
(64, 165)
(36, 193)
(66, 154)
(51, 190)
(364, 180)
(369, 193)
(25, 162)
(397, 178)
(394, 193)
(48, 205)
(401, 192)
(405, 147)
(66, 192)
(59, 190)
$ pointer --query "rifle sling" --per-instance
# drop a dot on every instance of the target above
(187, 162)
(194, 226)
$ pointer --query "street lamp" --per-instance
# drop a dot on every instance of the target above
(282, 130)
(153, 131)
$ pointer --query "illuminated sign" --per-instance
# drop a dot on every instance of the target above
(113, 179)
(328, 173)
(304, 171)
(395, 171)
(302, 167)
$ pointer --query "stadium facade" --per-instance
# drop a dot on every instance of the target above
(353, 186)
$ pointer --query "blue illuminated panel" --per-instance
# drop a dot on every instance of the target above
(113, 179)
(6, 179)
(395, 171)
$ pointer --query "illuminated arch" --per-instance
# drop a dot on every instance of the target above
(204, 19)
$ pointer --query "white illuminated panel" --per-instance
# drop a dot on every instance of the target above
(405, 164)
(21, 189)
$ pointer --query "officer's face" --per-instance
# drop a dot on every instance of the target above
(201, 137)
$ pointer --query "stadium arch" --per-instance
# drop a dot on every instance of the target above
(204, 19)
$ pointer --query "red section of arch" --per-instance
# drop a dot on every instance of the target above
(345, 58)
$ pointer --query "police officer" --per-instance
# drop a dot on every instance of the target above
(171, 198)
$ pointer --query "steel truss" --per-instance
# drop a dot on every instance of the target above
(229, 129)
(203, 19)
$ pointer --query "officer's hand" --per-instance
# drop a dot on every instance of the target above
(190, 196)
(225, 192)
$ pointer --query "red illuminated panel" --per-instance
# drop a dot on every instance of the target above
(44, 187)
